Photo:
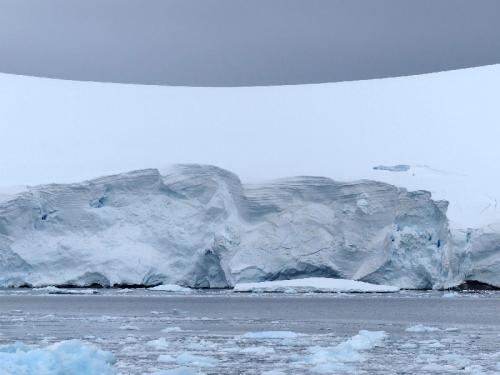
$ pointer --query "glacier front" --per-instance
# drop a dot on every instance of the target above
(199, 226)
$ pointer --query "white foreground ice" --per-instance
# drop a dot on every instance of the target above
(66, 357)
(314, 284)
(269, 348)
(339, 359)
(79, 358)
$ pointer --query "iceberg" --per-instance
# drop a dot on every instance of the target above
(314, 284)
(172, 288)
(420, 328)
(199, 226)
(56, 290)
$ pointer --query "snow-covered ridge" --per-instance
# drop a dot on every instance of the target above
(199, 226)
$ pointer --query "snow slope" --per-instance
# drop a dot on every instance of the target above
(474, 200)
(68, 131)
(199, 226)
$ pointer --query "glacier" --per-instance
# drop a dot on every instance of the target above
(199, 226)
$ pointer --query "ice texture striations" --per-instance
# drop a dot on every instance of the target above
(199, 226)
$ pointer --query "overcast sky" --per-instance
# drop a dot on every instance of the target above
(244, 42)
(54, 130)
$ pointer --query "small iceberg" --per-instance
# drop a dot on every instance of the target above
(172, 288)
(420, 328)
(314, 285)
(56, 290)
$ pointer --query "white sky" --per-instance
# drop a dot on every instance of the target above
(62, 131)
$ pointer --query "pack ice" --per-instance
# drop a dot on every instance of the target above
(199, 226)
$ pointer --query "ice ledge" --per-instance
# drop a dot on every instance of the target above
(314, 285)
(199, 226)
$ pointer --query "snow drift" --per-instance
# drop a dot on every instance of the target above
(199, 226)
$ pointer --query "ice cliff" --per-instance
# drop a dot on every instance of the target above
(199, 226)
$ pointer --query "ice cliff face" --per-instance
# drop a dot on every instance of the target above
(199, 226)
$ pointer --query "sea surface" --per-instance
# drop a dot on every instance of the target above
(425, 332)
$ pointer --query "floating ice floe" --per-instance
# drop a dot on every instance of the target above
(270, 335)
(340, 357)
(166, 358)
(258, 350)
(129, 328)
(201, 345)
(171, 288)
(171, 329)
(67, 357)
(158, 344)
(189, 359)
(451, 295)
(56, 290)
(434, 344)
(420, 328)
(176, 371)
(130, 340)
(314, 285)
